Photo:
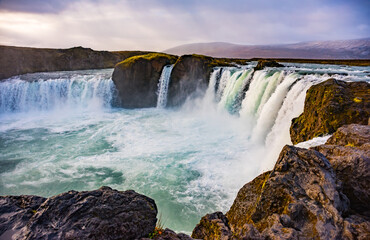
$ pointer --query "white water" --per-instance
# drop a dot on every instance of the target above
(164, 80)
(192, 161)
(71, 91)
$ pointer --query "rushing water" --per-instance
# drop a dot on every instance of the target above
(163, 82)
(58, 132)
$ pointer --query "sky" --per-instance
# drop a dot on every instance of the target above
(157, 25)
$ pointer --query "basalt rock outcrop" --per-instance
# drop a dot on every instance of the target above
(330, 105)
(98, 214)
(348, 151)
(212, 226)
(21, 60)
(267, 63)
(136, 79)
(309, 194)
(190, 76)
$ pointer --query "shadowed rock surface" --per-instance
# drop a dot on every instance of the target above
(168, 234)
(348, 151)
(15, 213)
(136, 79)
(267, 63)
(190, 76)
(212, 226)
(21, 60)
(300, 198)
(330, 105)
(98, 214)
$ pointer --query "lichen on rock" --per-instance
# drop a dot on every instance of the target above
(330, 105)
(136, 79)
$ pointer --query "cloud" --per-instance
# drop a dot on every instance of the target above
(161, 24)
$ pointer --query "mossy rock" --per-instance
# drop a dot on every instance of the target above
(136, 79)
(330, 105)
(267, 63)
(190, 76)
(295, 199)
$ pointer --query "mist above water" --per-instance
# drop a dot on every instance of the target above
(59, 132)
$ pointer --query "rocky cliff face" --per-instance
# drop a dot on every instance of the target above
(330, 105)
(348, 151)
(98, 214)
(21, 60)
(136, 79)
(308, 195)
(190, 76)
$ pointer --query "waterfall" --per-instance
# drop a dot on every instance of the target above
(233, 91)
(266, 101)
(79, 91)
(163, 82)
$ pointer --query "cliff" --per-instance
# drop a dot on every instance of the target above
(21, 60)
(308, 195)
(330, 105)
(136, 79)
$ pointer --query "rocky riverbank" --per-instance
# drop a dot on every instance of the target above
(310, 194)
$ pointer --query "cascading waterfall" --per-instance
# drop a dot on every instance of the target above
(272, 98)
(163, 82)
(17, 95)
(233, 91)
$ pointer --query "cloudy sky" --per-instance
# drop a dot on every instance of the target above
(161, 24)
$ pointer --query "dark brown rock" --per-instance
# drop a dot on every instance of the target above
(168, 234)
(212, 226)
(98, 214)
(15, 212)
(348, 151)
(300, 198)
(21, 60)
(190, 77)
(330, 105)
(136, 79)
(356, 227)
(267, 63)
(244, 204)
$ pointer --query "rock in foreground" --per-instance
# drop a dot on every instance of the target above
(98, 214)
(330, 105)
(348, 151)
(300, 198)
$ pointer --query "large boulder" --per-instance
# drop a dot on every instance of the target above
(136, 79)
(190, 76)
(16, 212)
(98, 214)
(348, 151)
(299, 199)
(330, 105)
(212, 226)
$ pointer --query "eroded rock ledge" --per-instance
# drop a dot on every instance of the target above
(308, 195)
(136, 78)
(98, 214)
(330, 105)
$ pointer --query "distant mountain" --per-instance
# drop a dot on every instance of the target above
(341, 49)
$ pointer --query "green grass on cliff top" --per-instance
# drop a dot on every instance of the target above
(147, 57)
